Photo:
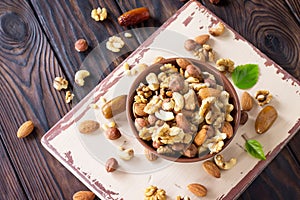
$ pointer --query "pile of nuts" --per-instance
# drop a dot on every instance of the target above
(183, 111)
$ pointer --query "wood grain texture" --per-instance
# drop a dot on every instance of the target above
(294, 6)
(9, 184)
(38, 44)
(73, 18)
(28, 67)
(268, 25)
(272, 185)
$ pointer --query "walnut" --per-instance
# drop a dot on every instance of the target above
(206, 53)
(115, 44)
(152, 192)
(99, 14)
(225, 65)
(263, 97)
(153, 106)
(69, 96)
(183, 198)
(60, 83)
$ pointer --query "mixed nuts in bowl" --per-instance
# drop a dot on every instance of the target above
(183, 110)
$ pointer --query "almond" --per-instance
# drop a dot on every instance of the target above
(246, 101)
(208, 92)
(197, 189)
(84, 195)
(202, 39)
(25, 129)
(183, 63)
(227, 128)
(88, 126)
(211, 168)
(200, 137)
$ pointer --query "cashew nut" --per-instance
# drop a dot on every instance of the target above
(80, 76)
(152, 81)
(164, 115)
(219, 160)
(126, 154)
(179, 101)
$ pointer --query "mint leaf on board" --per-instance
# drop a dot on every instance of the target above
(245, 76)
(255, 149)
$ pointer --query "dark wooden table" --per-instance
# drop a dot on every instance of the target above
(37, 44)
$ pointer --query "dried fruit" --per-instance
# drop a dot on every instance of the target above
(197, 189)
(211, 168)
(265, 118)
(111, 165)
(113, 133)
(246, 101)
(134, 16)
(84, 195)
(202, 39)
(88, 126)
(81, 45)
(25, 129)
(114, 106)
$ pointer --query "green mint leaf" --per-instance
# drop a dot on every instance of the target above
(245, 76)
(255, 149)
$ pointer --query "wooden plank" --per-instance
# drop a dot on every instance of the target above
(9, 184)
(268, 25)
(294, 147)
(280, 180)
(74, 18)
(294, 6)
(28, 66)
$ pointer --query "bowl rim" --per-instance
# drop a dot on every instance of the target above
(210, 69)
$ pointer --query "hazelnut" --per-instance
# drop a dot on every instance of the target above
(113, 133)
(81, 45)
(111, 165)
(140, 123)
(190, 45)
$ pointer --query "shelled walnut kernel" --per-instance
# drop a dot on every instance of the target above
(60, 83)
(152, 192)
(99, 14)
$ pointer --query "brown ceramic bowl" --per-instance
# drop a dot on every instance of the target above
(204, 67)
